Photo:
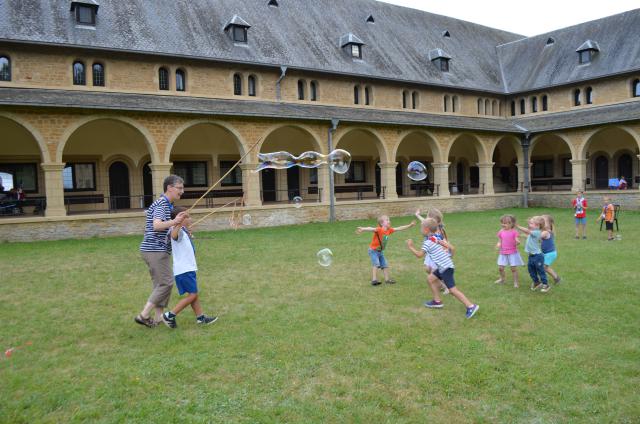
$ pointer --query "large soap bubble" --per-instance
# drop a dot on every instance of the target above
(339, 161)
(325, 257)
(417, 171)
(297, 201)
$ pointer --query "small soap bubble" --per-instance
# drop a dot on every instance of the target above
(297, 202)
(417, 171)
(339, 161)
(246, 219)
(325, 257)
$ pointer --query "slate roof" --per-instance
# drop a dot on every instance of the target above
(230, 107)
(300, 34)
(530, 64)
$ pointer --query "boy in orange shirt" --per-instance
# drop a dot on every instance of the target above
(608, 213)
(381, 234)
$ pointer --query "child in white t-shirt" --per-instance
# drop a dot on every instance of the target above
(184, 271)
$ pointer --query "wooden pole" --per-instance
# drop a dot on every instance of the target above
(214, 211)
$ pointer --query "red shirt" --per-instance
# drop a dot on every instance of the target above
(381, 236)
(579, 207)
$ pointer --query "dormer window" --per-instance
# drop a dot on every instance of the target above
(440, 59)
(586, 51)
(370, 19)
(352, 45)
(550, 41)
(273, 3)
(446, 34)
(237, 28)
(85, 11)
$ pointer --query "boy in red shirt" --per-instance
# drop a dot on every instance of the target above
(381, 234)
(580, 207)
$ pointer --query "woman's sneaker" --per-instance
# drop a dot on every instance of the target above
(433, 304)
(147, 322)
(205, 320)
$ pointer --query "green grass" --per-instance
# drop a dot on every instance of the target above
(300, 343)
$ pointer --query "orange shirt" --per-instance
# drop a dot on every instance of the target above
(381, 235)
(609, 212)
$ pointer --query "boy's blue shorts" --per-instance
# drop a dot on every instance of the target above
(186, 283)
(582, 221)
(446, 276)
(377, 259)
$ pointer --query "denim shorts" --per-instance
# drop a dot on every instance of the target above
(582, 221)
(377, 259)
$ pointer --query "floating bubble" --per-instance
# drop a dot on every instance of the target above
(297, 201)
(339, 161)
(325, 257)
(275, 160)
(246, 219)
(417, 171)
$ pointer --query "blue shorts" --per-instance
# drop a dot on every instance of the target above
(377, 259)
(582, 221)
(550, 257)
(186, 283)
(446, 276)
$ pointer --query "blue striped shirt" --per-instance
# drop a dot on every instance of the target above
(156, 241)
(439, 255)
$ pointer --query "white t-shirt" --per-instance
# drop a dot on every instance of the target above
(184, 253)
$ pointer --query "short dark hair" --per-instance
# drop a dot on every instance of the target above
(171, 180)
(176, 210)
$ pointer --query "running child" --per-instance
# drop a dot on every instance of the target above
(441, 234)
(508, 242)
(536, 259)
(548, 246)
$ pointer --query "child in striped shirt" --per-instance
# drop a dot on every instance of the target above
(438, 251)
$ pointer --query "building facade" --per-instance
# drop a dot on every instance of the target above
(99, 102)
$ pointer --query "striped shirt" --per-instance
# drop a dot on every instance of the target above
(439, 255)
(156, 241)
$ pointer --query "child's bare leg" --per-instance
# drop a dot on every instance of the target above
(551, 272)
(197, 308)
(610, 232)
(183, 303)
(460, 296)
(386, 272)
(502, 277)
(434, 283)
(374, 274)
(514, 272)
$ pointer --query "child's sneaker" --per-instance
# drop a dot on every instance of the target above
(169, 321)
(205, 320)
(433, 304)
(471, 311)
(375, 283)
(535, 286)
(545, 288)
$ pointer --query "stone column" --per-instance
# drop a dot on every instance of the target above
(441, 178)
(486, 177)
(251, 184)
(159, 171)
(54, 189)
(323, 182)
(579, 173)
(388, 179)
(520, 167)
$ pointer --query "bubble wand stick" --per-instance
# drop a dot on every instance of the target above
(214, 211)
(225, 175)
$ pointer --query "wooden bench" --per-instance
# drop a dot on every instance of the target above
(15, 207)
(213, 194)
(549, 183)
(83, 199)
(422, 189)
(359, 189)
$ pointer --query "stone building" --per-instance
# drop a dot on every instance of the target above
(100, 100)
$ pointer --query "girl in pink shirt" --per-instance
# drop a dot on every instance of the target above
(508, 246)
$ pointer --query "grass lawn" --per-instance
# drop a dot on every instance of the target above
(300, 343)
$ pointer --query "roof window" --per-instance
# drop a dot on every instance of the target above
(85, 11)
(237, 28)
(586, 51)
(370, 19)
(352, 45)
(440, 58)
(550, 41)
(273, 3)
(446, 34)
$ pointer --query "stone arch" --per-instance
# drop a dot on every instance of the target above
(148, 138)
(589, 138)
(318, 145)
(536, 139)
(430, 139)
(237, 138)
(42, 145)
(383, 152)
(513, 141)
(478, 145)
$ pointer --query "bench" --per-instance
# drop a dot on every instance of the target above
(550, 182)
(213, 194)
(15, 207)
(359, 189)
(83, 199)
(422, 189)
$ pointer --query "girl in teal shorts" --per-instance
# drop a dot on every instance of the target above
(548, 247)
